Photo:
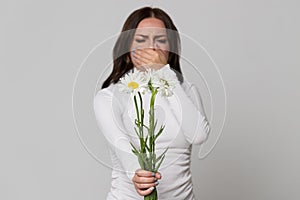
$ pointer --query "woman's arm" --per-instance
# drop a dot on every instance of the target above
(109, 120)
(189, 114)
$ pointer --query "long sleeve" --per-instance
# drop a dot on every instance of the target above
(190, 115)
(109, 119)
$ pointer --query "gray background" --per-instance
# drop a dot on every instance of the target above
(255, 44)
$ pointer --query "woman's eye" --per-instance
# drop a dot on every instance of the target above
(139, 41)
(162, 41)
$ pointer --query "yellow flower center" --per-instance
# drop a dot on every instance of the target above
(133, 85)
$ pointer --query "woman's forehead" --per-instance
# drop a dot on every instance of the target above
(151, 22)
(150, 31)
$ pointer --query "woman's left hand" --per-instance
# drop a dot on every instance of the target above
(149, 58)
(145, 181)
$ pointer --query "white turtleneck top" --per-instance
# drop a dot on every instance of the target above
(185, 124)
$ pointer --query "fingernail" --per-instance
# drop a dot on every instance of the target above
(153, 174)
(156, 183)
(155, 179)
(152, 188)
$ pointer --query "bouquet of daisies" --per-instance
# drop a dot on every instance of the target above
(139, 83)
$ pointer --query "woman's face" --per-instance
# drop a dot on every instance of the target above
(150, 33)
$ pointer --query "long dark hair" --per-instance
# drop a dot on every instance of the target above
(121, 50)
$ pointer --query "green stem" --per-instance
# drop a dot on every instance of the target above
(142, 115)
(151, 129)
(146, 154)
(136, 109)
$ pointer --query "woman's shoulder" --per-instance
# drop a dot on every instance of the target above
(188, 87)
(108, 91)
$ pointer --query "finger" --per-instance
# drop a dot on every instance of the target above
(144, 179)
(155, 61)
(141, 65)
(161, 51)
(145, 192)
(158, 175)
(145, 185)
(142, 172)
(149, 53)
(135, 59)
(152, 55)
(144, 54)
(162, 54)
(144, 176)
(141, 60)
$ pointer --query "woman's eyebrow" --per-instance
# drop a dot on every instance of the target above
(157, 36)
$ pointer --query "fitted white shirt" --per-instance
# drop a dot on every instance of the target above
(185, 124)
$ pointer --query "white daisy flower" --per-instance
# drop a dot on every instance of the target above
(133, 82)
(165, 81)
(150, 75)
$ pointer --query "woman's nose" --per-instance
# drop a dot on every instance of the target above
(151, 44)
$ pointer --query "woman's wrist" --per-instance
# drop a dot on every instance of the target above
(157, 66)
(167, 71)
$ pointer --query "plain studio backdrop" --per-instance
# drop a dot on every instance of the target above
(255, 45)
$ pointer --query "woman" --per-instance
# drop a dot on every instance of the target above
(149, 39)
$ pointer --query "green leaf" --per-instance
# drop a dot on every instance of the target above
(155, 124)
(161, 155)
(136, 122)
(142, 149)
(146, 127)
(142, 164)
(148, 149)
(158, 165)
(142, 114)
(146, 146)
(135, 153)
(136, 108)
(159, 132)
(134, 148)
(146, 161)
(137, 133)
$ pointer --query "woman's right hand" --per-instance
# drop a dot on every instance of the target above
(149, 58)
(145, 181)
